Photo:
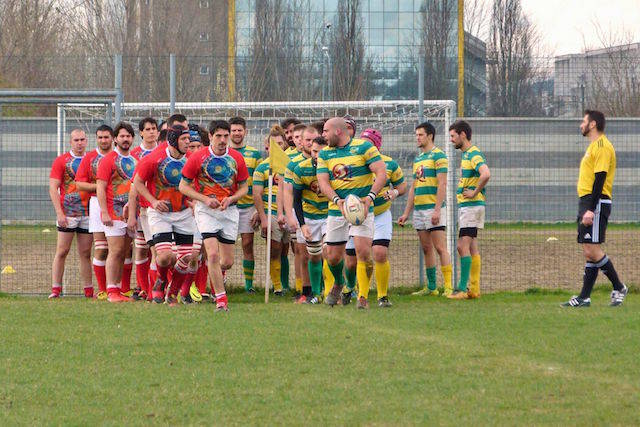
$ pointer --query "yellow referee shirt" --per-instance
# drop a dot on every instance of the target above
(600, 157)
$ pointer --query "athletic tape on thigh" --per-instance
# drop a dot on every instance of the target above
(140, 242)
(164, 246)
(101, 244)
(314, 248)
(183, 258)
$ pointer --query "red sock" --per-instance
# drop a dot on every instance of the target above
(221, 299)
(126, 275)
(177, 280)
(101, 274)
(88, 291)
(186, 284)
(142, 274)
(201, 278)
(163, 272)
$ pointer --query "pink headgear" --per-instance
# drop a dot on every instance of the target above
(372, 135)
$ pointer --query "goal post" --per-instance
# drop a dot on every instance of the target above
(396, 120)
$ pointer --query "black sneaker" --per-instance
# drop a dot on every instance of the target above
(278, 293)
(576, 301)
(314, 300)
(384, 302)
(617, 297)
(206, 297)
(345, 298)
(186, 300)
(136, 294)
(251, 291)
(171, 300)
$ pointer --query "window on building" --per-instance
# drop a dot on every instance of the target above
(204, 70)
(204, 37)
(204, 4)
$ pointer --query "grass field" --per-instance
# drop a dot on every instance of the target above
(515, 257)
(503, 359)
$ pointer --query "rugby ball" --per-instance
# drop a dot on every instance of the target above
(354, 210)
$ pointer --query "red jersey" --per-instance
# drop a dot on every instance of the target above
(117, 171)
(64, 169)
(139, 153)
(162, 174)
(88, 169)
(215, 176)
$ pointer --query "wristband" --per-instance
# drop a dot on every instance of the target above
(335, 200)
(372, 196)
(396, 192)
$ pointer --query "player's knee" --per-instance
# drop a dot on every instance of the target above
(226, 264)
(62, 252)
(100, 254)
(213, 258)
(380, 253)
(164, 258)
(247, 249)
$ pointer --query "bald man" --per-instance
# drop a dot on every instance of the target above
(349, 166)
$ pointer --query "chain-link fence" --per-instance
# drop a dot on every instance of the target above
(529, 240)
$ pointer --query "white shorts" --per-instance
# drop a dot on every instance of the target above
(471, 217)
(244, 221)
(278, 234)
(95, 223)
(223, 224)
(382, 229)
(318, 228)
(181, 222)
(339, 230)
(143, 225)
(79, 224)
(422, 219)
(118, 229)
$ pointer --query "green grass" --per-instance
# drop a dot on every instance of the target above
(503, 359)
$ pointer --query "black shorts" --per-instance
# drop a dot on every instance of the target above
(594, 233)
(73, 230)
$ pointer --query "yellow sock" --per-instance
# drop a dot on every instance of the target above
(382, 271)
(474, 280)
(363, 277)
(299, 284)
(274, 272)
(446, 273)
(328, 277)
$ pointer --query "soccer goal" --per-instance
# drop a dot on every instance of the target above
(395, 119)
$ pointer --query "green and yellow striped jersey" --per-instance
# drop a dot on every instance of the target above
(288, 173)
(261, 179)
(426, 167)
(395, 177)
(314, 204)
(472, 159)
(292, 152)
(252, 158)
(348, 169)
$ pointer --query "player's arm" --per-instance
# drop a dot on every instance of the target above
(82, 176)
(54, 185)
(101, 193)
(441, 193)
(409, 207)
(139, 187)
(379, 170)
(327, 190)
(86, 186)
(243, 189)
(186, 187)
(258, 189)
(280, 197)
(485, 175)
(398, 182)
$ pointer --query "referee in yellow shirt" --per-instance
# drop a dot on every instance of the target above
(595, 184)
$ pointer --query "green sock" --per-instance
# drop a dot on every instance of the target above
(315, 276)
(284, 272)
(247, 268)
(431, 278)
(336, 270)
(465, 268)
(351, 278)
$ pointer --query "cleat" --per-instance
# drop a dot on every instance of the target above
(458, 295)
(157, 297)
(617, 297)
(117, 297)
(447, 292)
(576, 301)
(473, 295)
(186, 300)
(384, 302)
(222, 307)
(127, 294)
(171, 300)
(334, 295)
(314, 300)
(278, 293)
(345, 297)
(251, 291)
(206, 296)
(426, 292)
(139, 295)
(362, 304)
(102, 296)
(302, 299)
(194, 293)
(54, 295)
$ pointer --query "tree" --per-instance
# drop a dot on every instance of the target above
(438, 25)
(513, 70)
(351, 70)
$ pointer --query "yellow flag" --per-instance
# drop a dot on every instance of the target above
(278, 160)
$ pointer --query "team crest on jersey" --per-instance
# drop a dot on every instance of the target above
(94, 165)
(315, 187)
(341, 171)
(125, 167)
(220, 171)
(72, 167)
(420, 172)
(170, 172)
(353, 150)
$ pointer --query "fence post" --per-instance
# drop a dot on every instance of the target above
(172, 84)
(420, 120)
(118, 86)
